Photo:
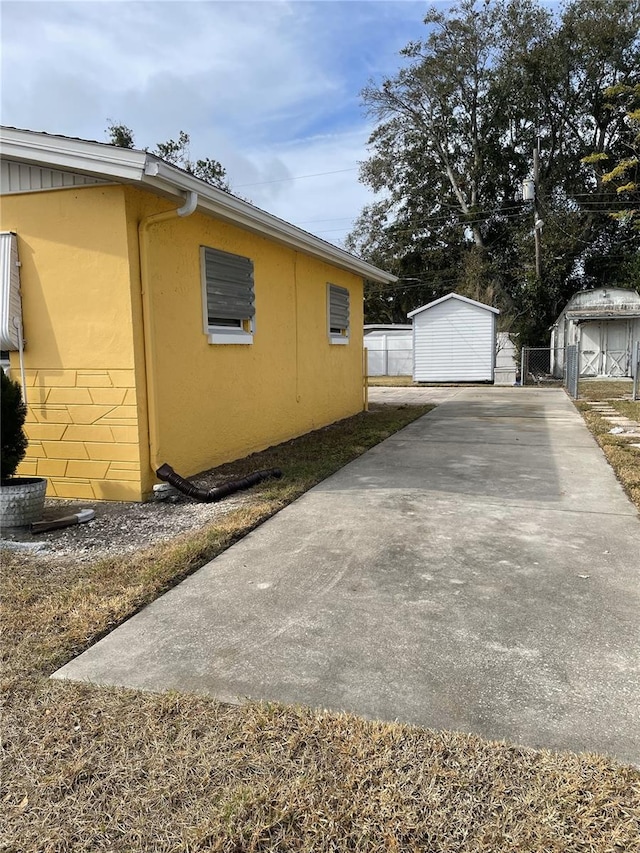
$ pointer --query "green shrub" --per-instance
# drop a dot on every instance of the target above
(14, 440)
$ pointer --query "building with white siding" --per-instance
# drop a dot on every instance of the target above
(389, 349)
(604, 323)
(454, 340)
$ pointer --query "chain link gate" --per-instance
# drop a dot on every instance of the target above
(540, 366)
(572, 370)
(547, 366)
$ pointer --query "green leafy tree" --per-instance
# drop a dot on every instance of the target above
(623, 175)
(14, 440)
(120, 135)
(455, 130)
(175, 152)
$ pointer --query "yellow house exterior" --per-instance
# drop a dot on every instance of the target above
(122, 368)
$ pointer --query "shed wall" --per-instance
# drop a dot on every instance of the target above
(454, 342)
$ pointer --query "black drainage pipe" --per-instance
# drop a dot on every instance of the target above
(166, 473)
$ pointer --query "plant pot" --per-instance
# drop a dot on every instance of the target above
(21, 500)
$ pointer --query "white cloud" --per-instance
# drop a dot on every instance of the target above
(268, 88)
(325, 195)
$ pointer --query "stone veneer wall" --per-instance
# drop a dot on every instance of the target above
(83, 433)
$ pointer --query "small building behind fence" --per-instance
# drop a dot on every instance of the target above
(390, 349)
(390, 352)
(454, 340)
(603, 323)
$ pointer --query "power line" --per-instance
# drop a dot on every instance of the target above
(479, 219)
(296, 178)
(335, 219)
(437, 220)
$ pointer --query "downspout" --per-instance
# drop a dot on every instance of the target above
(147, 320)
(17, 322)
(164, 471)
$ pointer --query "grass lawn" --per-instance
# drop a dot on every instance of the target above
(601, 390)
(92, 769)
(390, 381)
(623, 457)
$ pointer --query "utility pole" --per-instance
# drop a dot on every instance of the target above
(537, 221)
(531, 192)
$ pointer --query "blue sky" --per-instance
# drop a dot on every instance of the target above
(268, 87)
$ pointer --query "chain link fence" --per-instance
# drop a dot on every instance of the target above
(572, 370)
(548, 367)
(541, 366)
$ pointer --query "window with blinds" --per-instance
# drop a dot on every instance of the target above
(227, 296)
(338, 314)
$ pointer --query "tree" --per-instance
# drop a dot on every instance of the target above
(175, 152)
(120, 135)
(454, 138)
(624, 175)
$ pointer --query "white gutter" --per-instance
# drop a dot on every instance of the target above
(101, 160)
(223, 205)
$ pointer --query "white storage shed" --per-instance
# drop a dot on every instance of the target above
(604, 323)
(454, 340)
(389, 349)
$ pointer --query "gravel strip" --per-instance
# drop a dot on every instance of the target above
(119, 527)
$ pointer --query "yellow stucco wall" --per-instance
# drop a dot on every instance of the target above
(219, 402)
(85, 355)
(83, 419)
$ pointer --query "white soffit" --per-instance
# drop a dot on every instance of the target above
(27, 178)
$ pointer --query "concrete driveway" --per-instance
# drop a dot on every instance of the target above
(478, 571)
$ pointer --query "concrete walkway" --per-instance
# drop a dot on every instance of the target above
(413, 396)
(478, 571)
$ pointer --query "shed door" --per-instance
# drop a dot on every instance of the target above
(590, 349)
(616, 350)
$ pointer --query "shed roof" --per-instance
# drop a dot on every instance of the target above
(584, 315)
(602, 303)
(148, 172)
(452, 296)
(387, 327)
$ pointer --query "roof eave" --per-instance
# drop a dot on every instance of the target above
(160, 176)
(61, 152)
(585, 316)
(131, 166)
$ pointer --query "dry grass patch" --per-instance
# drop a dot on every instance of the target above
(87, 769)
(390, 381)
(117, 770)
(618, 449)
(604, 390)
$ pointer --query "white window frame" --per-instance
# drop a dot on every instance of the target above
(340, 337)
(223, 334)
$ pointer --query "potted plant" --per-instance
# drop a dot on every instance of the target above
(21, 498)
